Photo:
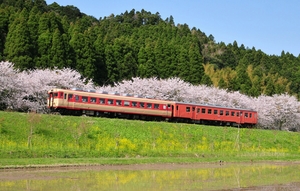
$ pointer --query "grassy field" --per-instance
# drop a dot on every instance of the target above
(29, 139)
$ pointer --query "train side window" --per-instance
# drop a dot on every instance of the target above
(169, 106)
(65, 96)
(126, 103)
(70, 96)
(237, 114)
(221, 112)
(110, 101)
(193, 108)
(156, 106)
(227, 113)
(142, 104)
(246, 114)
(250, 115)
(188, 109)
(61, 94)
(209, 111)
(76, 98)
(198, 110)
(134, 104)
(215, 111)
(149, 105)
(203, 110)
(118, 102)
(232, 113)
(102, 101)
(177, 107)
(84, 99)
(93, 100)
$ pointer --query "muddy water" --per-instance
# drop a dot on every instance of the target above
(233, 176)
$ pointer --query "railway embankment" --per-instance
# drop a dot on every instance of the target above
(40, 140)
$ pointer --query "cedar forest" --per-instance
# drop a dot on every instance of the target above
(137, 44)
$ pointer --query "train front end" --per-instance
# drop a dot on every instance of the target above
(55, 99)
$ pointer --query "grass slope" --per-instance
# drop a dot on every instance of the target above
(35, 139)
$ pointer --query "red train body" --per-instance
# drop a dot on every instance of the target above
(78, 102)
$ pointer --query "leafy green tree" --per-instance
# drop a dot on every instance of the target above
(43, 59)
(100, 66)
(4, 21)
(18, 45)
(196, 61)
(58, 53)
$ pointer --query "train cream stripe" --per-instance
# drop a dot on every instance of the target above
(112, 108)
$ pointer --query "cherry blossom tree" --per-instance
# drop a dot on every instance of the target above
(27, 90)
(278, 112)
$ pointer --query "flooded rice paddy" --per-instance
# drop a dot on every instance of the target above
(217, 176)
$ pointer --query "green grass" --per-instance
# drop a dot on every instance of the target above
(34, 139)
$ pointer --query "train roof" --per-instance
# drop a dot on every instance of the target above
(114, 95)
(214, 106)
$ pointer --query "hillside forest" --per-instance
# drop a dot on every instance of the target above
(34, 35)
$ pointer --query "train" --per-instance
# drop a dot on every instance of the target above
(76, 101)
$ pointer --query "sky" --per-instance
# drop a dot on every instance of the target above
(272, 26)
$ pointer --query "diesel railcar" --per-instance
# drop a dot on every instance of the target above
(79, 102)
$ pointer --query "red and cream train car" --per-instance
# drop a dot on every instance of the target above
(79, 102)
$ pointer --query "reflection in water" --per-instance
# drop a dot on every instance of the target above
(156, 177)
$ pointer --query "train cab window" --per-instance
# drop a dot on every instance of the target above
(227, 113)
(118, 102)
(76, 98)
(93, 100)
(209, 111)
(156, 106)
(203, 110)
(246, 114)
(215, 111)
(134, 104)
(84, 99)
(110, 101)
(188, 109)
(221, 112)
(55, 95)
(142, 105)
(126, 103)
(149, 105)
(102, 101)
(198, 110)
(232, 113)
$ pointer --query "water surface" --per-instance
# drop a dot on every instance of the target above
(232, 176)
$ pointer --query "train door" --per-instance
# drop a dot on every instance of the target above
(71, 101)
(50, 100)
(241, 117)
(63, 97)
(170, 110)
(193, 113)
(197, 115)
